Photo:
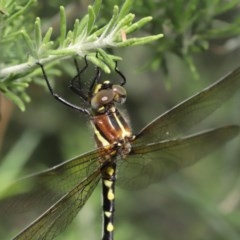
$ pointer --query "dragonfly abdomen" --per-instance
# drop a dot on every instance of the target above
(108, 191)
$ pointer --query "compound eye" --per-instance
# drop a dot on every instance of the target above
(102, 98)
(120, 94)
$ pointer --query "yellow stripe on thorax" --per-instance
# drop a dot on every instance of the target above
(100, 138)
(123, 130)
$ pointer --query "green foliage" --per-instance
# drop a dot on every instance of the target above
(28, 141)
(86, 37)
(189, 26)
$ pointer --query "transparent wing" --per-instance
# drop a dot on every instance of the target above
(61, 214)
(35, 194)
(151, 163)
(191, 111)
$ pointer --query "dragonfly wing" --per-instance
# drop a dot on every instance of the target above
(35, 194)
(60, 215)
(151, 163)
(185, 115)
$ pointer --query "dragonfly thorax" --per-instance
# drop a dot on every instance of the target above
(111, 128)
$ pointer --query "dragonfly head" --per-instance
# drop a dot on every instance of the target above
(105, 95)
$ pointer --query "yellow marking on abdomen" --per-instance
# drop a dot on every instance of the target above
(110, 195)
(108, 214)
(110, 171)
(110, 227)
(108, 183)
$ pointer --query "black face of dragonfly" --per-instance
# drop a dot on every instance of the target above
(147, 157)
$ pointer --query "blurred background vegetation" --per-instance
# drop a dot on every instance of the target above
(201, 44)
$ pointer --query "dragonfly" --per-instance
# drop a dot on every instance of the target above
(133, 161)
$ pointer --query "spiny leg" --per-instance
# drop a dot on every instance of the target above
(59, 98)
(95, 79)
(121, 75)
(77, 77)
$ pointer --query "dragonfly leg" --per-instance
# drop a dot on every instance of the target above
(59, 98)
